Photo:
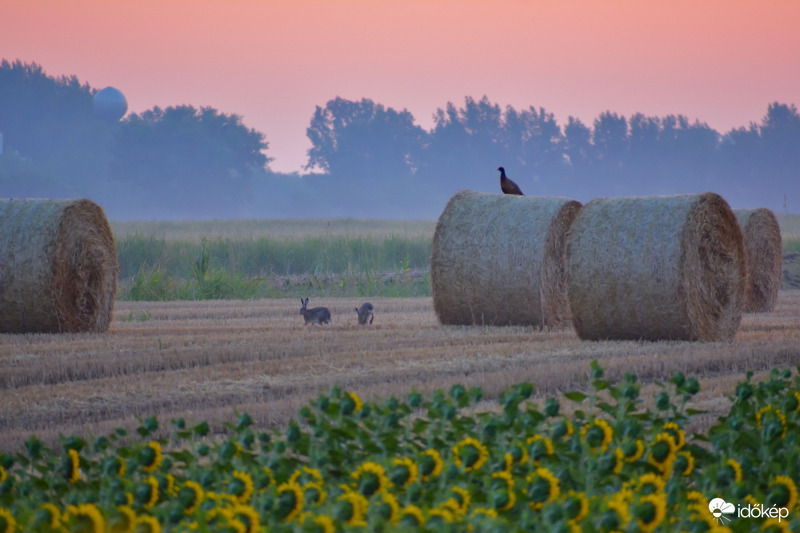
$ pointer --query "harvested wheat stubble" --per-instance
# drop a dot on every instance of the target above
(499, 259)
(660, 267)
(58, 266)
(764, 249)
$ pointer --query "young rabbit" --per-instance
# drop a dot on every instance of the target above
(318, 315)
(366, 311)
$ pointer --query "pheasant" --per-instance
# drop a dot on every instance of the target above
(508, 186)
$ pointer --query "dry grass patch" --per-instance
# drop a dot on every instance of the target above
(202, 360)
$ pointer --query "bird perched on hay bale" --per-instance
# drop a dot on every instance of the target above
(508, 186)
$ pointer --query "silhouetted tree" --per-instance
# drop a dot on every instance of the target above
(189, 160)
(364, 141)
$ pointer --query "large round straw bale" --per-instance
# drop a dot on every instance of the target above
(499, 259)
(651, 268)
(762, 243)
(58, 266)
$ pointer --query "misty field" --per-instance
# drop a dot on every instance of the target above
(203, 360)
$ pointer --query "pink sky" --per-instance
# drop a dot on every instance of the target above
(273, 61)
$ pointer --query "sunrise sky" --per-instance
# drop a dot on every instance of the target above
(273, 61)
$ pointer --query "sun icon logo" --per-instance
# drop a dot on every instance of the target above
(720, 507)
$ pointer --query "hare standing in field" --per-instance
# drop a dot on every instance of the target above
(318, 315)
(366, 311)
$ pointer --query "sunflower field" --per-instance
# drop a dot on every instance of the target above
(435, 463)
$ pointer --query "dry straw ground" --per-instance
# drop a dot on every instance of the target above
(202, 360)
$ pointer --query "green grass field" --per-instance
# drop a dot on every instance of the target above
(273, 258)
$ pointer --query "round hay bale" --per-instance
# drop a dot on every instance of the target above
(762, 243)
(499, 259)
(58, 266)
(652, 268)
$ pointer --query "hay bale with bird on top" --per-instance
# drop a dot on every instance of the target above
(58, 266)
(499, 260)
(660, 267)
(764, 249)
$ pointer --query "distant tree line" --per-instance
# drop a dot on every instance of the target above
(374, 146)
(367, 160)
(179, 161)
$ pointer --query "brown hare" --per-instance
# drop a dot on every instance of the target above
(318, 315)
(367, 311)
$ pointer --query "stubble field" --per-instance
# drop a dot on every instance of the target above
(202, 360)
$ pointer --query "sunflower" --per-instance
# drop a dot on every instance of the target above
(412, 515)
(519, 455)
(539, 447)
(72, 466)
(325, 523)
(484, 511)
(371, 478)
(650, 483)
(619, 503)
(290, 500)
(147, 524)
(351, 403)
(389, 509)
(470, 454)
(248, 516)
(354, 509)
(651, 511)
(597, 434)
(87, 517)
(543, 487)
(677, 433)
(49, 515)
(430, 463)
(611, 461)
(151, 456)
(763, 416)
(783, 493)
(662, 452)
(313, 492)
(7, 522)
(124, 521)
(442, 513)
(241, 487)
(152, 494)
(737, 469)
(505, 499)
(405, 473)
(684, 463)
(633, 451)
(461, 502)
(312, 472)
(191, 495)
(576, 507)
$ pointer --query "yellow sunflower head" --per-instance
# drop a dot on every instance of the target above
(470, 454)
(290, 501)
(151, 456)
(651, 511)
(430, 464)
(543, 487)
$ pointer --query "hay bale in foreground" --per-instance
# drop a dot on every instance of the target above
(499, 259)
(668, 267)
(764, 249)
(58, 266)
